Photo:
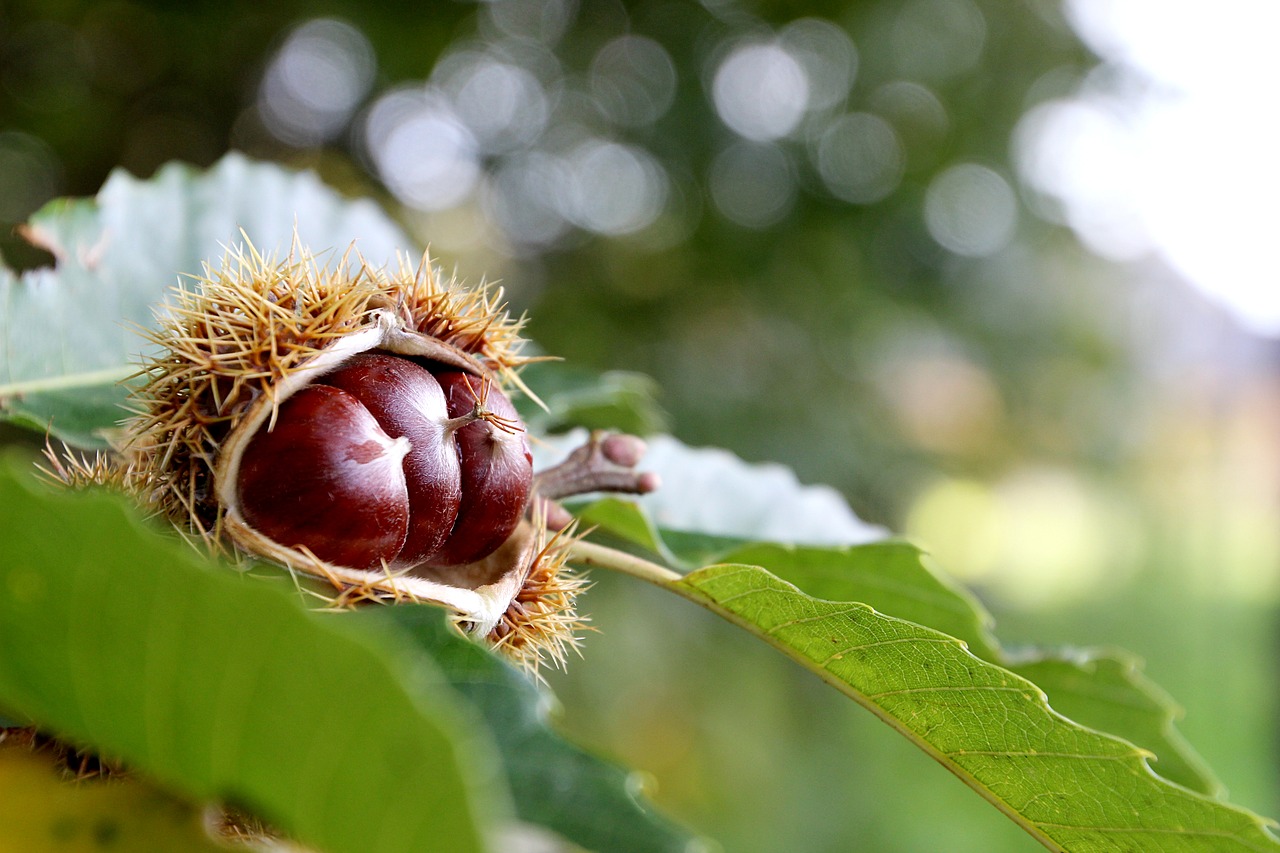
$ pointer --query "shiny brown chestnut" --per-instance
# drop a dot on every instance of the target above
(407, 401)
(349, 422)
(497, 468)
(446, 449)
(327, 477)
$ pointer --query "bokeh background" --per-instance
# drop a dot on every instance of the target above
(999, 271)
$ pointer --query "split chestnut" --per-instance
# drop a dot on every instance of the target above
(387, 462)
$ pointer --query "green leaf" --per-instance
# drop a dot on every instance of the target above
(1104, 690)
(1070, 787)
(625, 520)
(557, 785)
(41, 813)
(118, 255)
(1101, 689)
(1108, 692)
(220, 686)
(893, 577)
(83, 416)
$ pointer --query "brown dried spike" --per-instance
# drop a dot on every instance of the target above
(227, 342)
(81, 472)
(541, 624)
(474, 320)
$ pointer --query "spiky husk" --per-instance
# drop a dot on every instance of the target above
(105, 470)
(248, 335)
(541, 625)
(243, 328)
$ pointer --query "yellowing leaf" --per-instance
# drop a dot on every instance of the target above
(41, 813)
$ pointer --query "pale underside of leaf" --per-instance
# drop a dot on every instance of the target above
(71, 326)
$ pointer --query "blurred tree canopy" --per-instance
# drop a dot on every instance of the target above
(802, 218)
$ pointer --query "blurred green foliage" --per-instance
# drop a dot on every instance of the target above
(816, 313)
(1089, 449)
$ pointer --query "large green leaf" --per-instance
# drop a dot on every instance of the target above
(66, 332)
(1102, 690)
(1070, 787)
(222, 687)
(588, 801)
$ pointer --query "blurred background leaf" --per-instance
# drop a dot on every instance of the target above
(906, 281)
(576, 397)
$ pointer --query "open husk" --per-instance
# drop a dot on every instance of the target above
(231, 348)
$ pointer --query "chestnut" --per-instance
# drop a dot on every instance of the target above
(407, 401)
(497, 468)
(462, 467)
(327, 477)
(349, 421)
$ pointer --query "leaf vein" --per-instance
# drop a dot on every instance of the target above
(948, 688)
(839, 653)
(815, 618)
(1033, 753)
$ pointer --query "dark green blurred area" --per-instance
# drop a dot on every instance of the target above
(1089, 445)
